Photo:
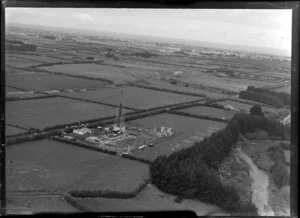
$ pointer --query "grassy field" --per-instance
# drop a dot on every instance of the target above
(244, 107)
(61, 167)
(286, 89)
(17, 62)
(225, 83)
(191, 130)
(45, 81)
(39, 58)
(41, 113)
(168, 85)
(209, 111)
(132, 97)
(37, 204)
(11, 130)
(115, 74)
(150, 199)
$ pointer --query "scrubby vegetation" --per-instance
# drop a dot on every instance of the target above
(277, 99)
(193, 172)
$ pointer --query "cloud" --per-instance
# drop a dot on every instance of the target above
(84, 17)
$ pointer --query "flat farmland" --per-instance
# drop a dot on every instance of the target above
(44, 81)
(40, 58)
(286, 89)
(168, 85)
(192, 129)
(17, 204)
(244, 107)
(132, 97)
(225, 83)
(11, 130)
(209, 111)
(23, 94)
(115, 74)
(17, 62)
(41, 113)
(150, 199)
(60, 167)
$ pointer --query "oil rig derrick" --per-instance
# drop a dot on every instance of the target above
(120, 117)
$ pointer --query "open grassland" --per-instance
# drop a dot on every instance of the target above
(58, 167)
(230, 84)
(209, 111)
(286, 89)
(45, 81)
(132, 97)
(39, 58)
(245, 107)
(116, 74)
(150, 199)
(17, 62)
(37, 204)
(11, 130)
(190, 130)
(167, 85)
(41, 113)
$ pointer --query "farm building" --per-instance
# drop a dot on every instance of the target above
(82, 131)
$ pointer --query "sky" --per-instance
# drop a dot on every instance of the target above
(259, 28)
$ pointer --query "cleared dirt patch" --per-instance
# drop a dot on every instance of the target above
(187, 131)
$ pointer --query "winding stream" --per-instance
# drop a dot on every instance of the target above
(260, 195)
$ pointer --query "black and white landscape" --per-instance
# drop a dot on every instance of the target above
(148, 110)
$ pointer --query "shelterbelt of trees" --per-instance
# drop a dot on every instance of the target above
(277, 99)
(193, 172)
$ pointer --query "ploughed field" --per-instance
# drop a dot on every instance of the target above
(41, 113)
(209, 111)
(132, 97)
(45, 81)
(187, 131)
(58, 167)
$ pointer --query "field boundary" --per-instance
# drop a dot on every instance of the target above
(108, 193)
(199, 116)
(83, 145)
(132, 84)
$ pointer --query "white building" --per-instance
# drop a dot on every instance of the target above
(82, 131)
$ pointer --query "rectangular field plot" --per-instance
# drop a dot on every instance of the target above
(40, 203)
(45, 81)
(39, 58)
(209, 111)
(149, 199)
(244, 107)
(168, 85)
(226, 83)
(41, 113)
(115, 74)
(133, 97)
(17, 62)
(191, 129)
(53, 166)
(11, 130)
